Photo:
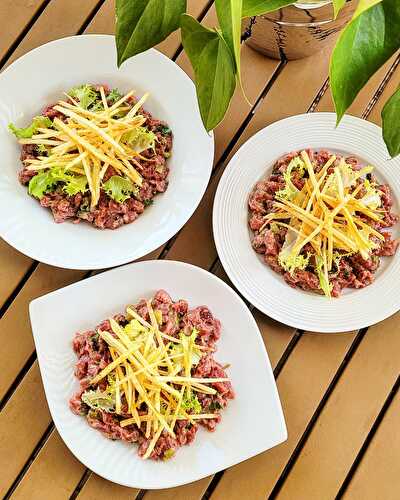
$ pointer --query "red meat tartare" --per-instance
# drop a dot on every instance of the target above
(120, 402)
(97, 156)
(321, 221)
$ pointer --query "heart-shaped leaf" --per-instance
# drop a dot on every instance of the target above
(141, 24)
(214, 69)
(391, 124)
(366, 43)
(257, 7)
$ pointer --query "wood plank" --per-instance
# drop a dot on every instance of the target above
(59, 19)
(98, 488)
(14, 266)
(301, 384)
(16, 343)
(20, 12)
(190, 491)
(348, 415)
(378, 474)
(23, 422)
(46, 478)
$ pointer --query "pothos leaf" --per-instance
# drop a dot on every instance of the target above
(367, 42)
(391, 124)
(214, 69)
(229, 14)
(257, 7)
(141, 24)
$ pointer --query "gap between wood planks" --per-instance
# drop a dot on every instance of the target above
(170, 243)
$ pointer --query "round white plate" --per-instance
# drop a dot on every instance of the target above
(264, 288)
(252, 423)
(38, 79)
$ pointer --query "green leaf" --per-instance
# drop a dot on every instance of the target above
(257, 7)
(229, 14)
(391, 124)
(119, 189)
(75, 184)
(367, 42)
(214, 70)
(41, 183)
(27, 133)
(139, 139)
(85, 94)
(338, 6)
(141, 24)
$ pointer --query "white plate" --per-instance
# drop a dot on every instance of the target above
(254, 279)
(253, 421)
(38, 79)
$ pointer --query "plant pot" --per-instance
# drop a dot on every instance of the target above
(298, 30)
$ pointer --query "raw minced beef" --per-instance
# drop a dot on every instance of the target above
(93, 356)
(353, 270)
(109, 214)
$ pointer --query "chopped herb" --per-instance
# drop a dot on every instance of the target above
(214, 405)
(169, 454)
(148, 202)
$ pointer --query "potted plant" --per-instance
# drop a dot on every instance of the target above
(366, 43)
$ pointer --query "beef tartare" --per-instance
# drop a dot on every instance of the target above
(96, 156)
(149, 376)
(322, 221)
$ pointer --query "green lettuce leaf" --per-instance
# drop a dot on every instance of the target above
(139, 139)
(119, 189)
(290, 190)
(86, 95)
(214, 68)
(45, 182)
(101, 400)
(28, 132)
(326, 287)
(287, 259)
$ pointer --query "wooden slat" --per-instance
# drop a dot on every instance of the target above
(14, 266)
(15, 16)
(23, 422)
(378, 474)
(59, 19)
(97, 488)
(46, 478)
(301, 384)
(348, 415)
(190, 491)
(16, 342)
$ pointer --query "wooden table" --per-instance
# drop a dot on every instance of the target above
(339, 392)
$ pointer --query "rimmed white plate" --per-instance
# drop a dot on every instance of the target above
(264, 288)
(253, 421)
(38, 79)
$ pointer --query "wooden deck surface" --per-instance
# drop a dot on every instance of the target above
(340, 393)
